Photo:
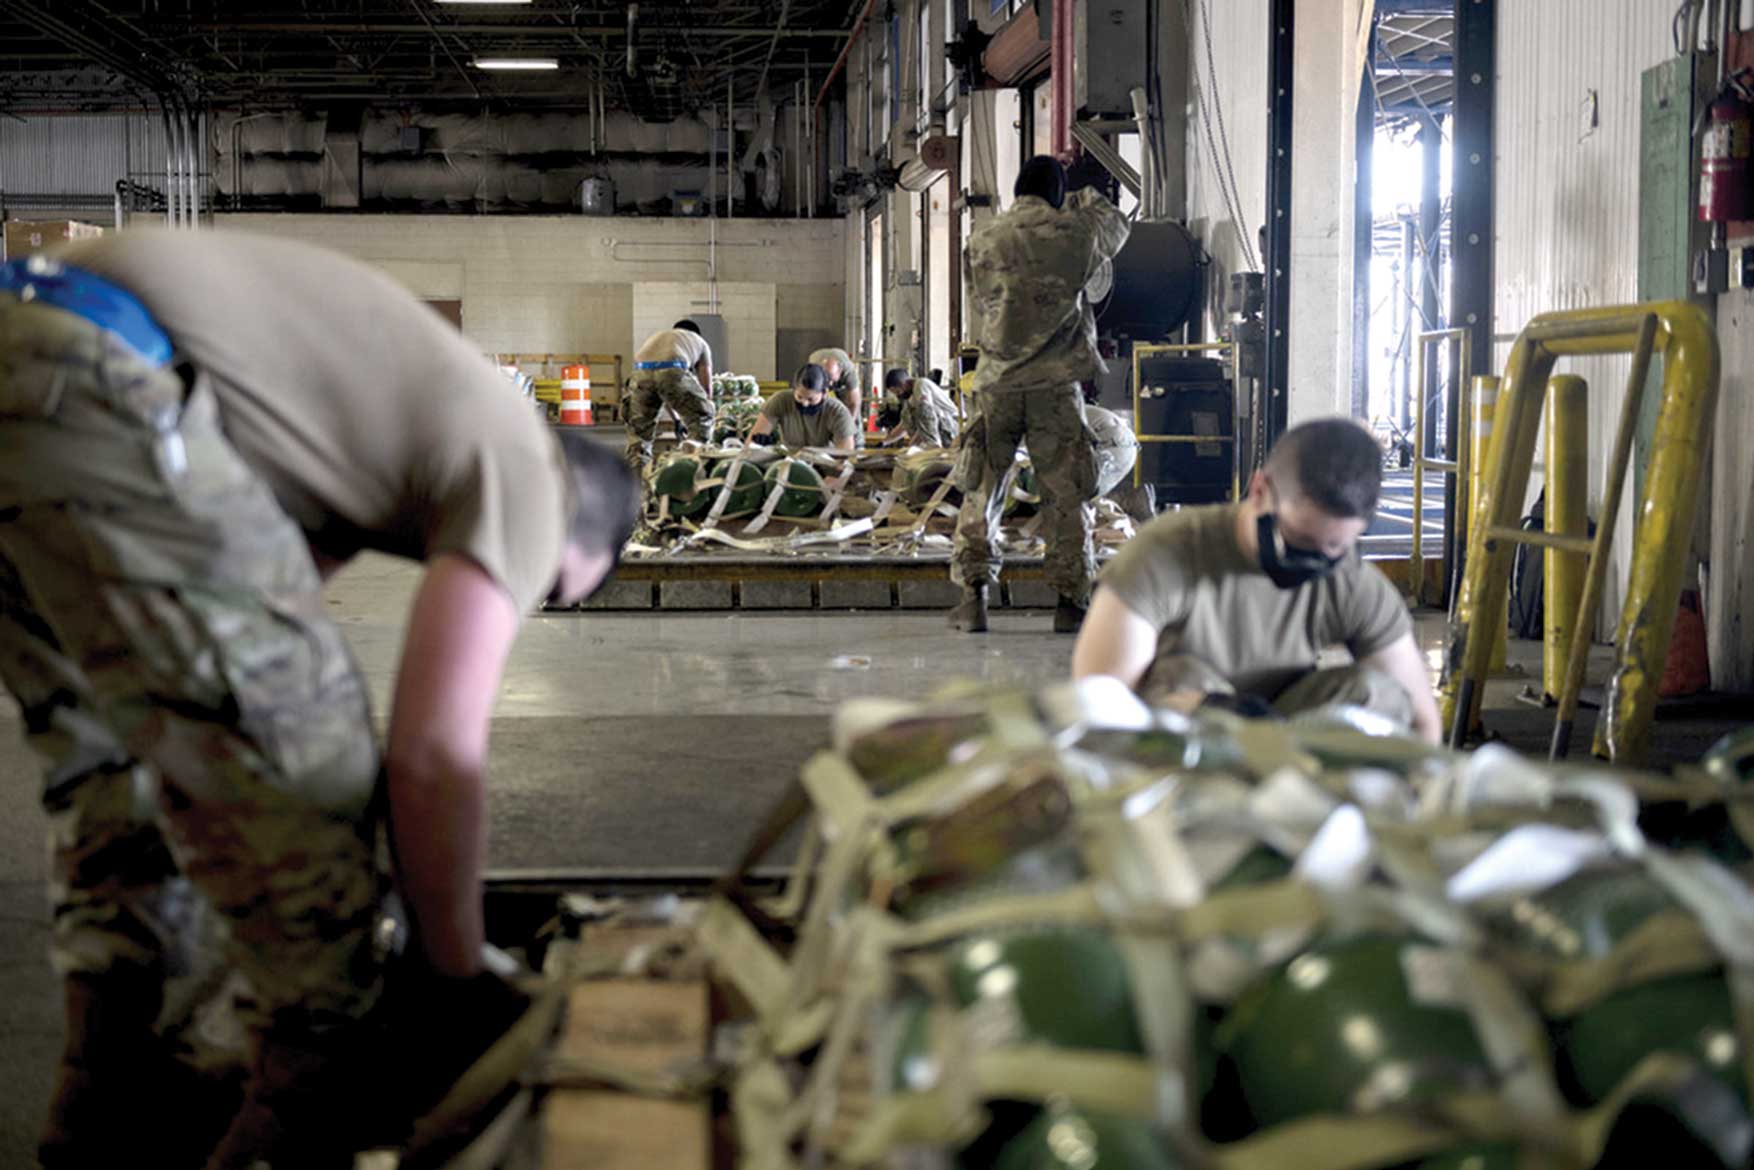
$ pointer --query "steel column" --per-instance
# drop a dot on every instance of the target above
(1280, 45)
(1430, 272)
(1363, 232)
(1471, 170)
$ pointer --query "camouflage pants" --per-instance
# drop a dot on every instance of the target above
(1353, 685)
(1051, 422)
(200, 723)
(653, 390)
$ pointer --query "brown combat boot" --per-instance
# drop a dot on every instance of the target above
(1068, 616)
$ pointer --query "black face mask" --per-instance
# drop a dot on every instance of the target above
(1285, 565)
(813, 408)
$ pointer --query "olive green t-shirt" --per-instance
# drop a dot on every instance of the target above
(797, 429)
(375, 423)
(849, 371)
(1186, 575)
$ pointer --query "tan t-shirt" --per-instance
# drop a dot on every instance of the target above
(376, 425)
(1186, 575)
(674, 345)
(797, 429)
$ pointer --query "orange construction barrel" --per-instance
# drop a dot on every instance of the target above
(575, 396)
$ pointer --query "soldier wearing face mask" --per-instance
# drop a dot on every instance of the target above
(1237, 600)
(805, 416)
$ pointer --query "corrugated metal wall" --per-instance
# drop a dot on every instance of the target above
(77, 155)
(1567, 193)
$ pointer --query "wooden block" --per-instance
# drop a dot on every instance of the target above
(614, 1131)
(656, 952)
(638, 1025)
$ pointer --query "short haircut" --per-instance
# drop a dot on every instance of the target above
(1044, 177)
(606, 499)
(1332, 462)
(685, 323)
(811, 376)
(895, 379)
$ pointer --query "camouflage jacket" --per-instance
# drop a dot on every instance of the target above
(1027, 270)
(929, 416)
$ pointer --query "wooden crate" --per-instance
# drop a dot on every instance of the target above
(645, 1029)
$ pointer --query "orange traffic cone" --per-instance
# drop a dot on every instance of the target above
(1687, 670)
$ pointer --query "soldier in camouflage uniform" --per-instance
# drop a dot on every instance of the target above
(928, 417)
(843, 380)
(673, 368)
(1028, 269)
(192, 429)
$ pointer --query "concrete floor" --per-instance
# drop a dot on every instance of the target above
(621, 741)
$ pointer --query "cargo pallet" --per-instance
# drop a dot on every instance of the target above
(819, 581)
(836, 581)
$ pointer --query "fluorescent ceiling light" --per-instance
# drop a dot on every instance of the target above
(515, 63)
(481, 1)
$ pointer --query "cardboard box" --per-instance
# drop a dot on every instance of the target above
(24, 236)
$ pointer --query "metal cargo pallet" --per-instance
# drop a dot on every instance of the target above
(814, 581)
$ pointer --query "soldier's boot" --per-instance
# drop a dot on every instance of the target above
(971, 613)
(117, 1078)
(1068, 616)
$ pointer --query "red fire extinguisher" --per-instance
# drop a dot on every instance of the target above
(1725, 181)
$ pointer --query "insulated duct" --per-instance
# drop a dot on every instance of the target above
(1017, 53)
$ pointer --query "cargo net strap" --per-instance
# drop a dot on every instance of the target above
(920, 812)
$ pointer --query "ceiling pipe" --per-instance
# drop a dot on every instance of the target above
(1061, 80)
(761, 86)
(840, 62)
(632, 49)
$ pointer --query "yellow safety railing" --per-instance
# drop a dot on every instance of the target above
(546, 367)
(1479, 452)
(1457, 467)
(1229, 350)
(1684, 336)
(1567, 514)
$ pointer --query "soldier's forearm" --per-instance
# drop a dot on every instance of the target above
(438, 818)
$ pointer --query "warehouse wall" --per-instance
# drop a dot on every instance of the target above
(553, 284)
(67, 166)
(1567, 195)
